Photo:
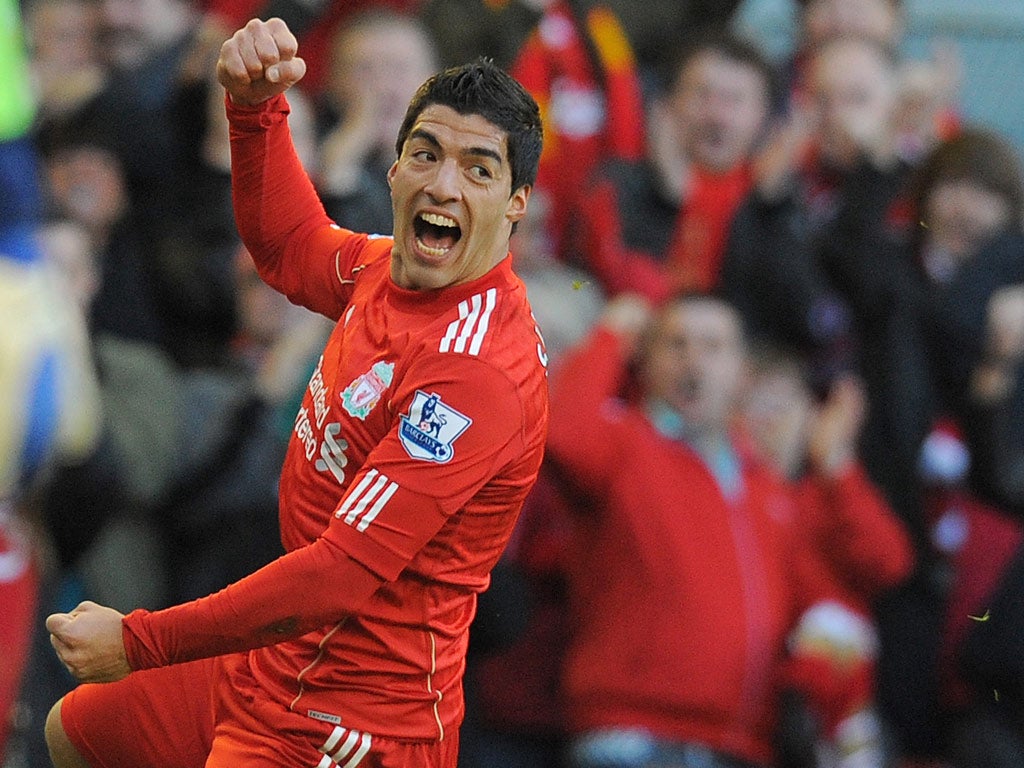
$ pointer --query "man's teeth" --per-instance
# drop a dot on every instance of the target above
(438, 220)
(431, 251)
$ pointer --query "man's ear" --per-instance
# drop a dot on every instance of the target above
(391, 172)
(517, 203)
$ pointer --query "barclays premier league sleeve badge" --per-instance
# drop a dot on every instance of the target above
(430, 428)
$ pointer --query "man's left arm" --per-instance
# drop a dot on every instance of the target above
(410, 485)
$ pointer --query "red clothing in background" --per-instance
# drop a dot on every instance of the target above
(19, 588)
(864, 546)
(861, 549)
(583, 75)
(636, 240)
(978, 542)
(681, 598)
(694, 257)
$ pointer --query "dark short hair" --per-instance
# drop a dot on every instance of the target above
(482, 88)
(728, 46)
(979, 156)
(685, 298)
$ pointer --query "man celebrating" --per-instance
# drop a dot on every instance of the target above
(348, 650)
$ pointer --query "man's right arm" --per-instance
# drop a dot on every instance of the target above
(296, 247)
(583, 389)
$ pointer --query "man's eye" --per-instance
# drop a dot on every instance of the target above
(424, 155)
(480, 172)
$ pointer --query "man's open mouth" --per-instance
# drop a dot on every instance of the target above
(690, 388)
(435, 234)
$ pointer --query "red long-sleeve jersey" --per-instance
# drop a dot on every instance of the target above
(420, 434)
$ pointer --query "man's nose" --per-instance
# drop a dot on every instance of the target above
(444, 183)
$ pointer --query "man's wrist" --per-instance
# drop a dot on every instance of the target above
(140, 653)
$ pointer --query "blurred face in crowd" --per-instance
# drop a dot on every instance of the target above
(878, 20)
(695, 362)
(960, 215)
(378, 65)
(852, 87)
(452, 197)
(719, 106)
(62, 33)
(88, 186)
(132, 30)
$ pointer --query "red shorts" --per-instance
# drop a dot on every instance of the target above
(210, 713)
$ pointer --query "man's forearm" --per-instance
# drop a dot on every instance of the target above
(285, 599)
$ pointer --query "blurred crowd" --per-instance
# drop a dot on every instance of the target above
(779, 523)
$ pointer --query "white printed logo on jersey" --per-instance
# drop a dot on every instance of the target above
(332, 452)
(467, 333)
(366, 500)
(430, 428)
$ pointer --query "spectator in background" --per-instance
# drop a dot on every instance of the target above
(578, 64)
(687, 572)
(969, 197)
(65, 63)
(87, 186)
(862, 548)
(142, 42)
(817, 260)
(970, 244)
(927, 89)
(378, 60)
(659, 225)
(188, 237)
(819, 21)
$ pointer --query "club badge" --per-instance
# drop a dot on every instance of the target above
(360, 397)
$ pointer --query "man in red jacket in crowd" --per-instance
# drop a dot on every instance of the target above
(690, 568)
(419, 436)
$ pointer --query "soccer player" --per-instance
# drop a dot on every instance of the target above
(420, 434)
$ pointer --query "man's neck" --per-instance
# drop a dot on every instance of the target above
(712, 444)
